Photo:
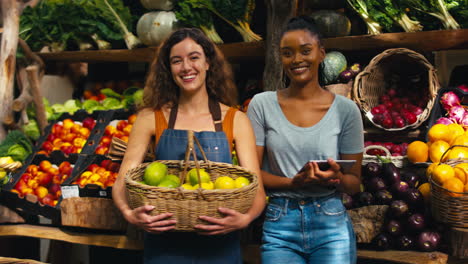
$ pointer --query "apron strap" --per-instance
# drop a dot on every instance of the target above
(215, 111)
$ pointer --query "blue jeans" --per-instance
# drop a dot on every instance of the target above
(313, 230)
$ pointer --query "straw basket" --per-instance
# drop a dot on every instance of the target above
(448, 206)
(379, 76)
(188, 205)
(398, 161)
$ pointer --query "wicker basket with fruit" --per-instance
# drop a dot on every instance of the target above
(190, 189)
(397, 89)
(449, 190)
(399, 161)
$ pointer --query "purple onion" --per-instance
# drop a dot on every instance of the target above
(456, 113)
(464, 121)
(449, 100)
(444, 121)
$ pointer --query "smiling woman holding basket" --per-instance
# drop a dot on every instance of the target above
(190, 87)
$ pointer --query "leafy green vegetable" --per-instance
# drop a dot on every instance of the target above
(90, 105)
(388, 13)
(237, 14)
(435, 8)
(189, 15)
(361, 8)
(18, 153)
(16, 145)
(111, 103)
(108, 92)
(31, 129)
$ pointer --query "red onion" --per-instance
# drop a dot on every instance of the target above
(464, 121)
(449, 100)
(463, 87)
(444, 120)
(456, 113)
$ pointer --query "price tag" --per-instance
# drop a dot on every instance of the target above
(102, 193)
(70, 191)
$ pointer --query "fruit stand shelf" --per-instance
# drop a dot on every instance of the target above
(252, 51)
(67, 235)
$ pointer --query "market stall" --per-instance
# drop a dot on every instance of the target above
(59, 160)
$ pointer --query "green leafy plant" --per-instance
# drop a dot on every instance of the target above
(435, 8)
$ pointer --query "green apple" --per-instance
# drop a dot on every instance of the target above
(173, 177)
(168, 183)
(192, 176)
(154, 173)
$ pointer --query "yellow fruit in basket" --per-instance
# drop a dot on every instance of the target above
(417, 151)
(168, 183)
(172, 177)
(425, 190)
(460, 174)
(457, 153)
(224, 182)
(442, 173)
(187, 186)
(192, 176)
(454, 185)
(464, 167)
(460, 140)
(431, 168)
(437, 149)
(439, 132)
(466, 188)
(205, 185)
(241, 182)
(455, 131)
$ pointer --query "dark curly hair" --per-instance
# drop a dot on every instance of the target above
(160, 88)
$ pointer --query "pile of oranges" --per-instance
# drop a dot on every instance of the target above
(440, 148)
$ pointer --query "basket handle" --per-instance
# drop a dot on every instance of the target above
(190, 150)
(448, 150)
(387, 152)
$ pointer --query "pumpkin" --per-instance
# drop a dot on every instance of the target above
(154, 27)
(325, 4)
(331, 23)
(165, 5)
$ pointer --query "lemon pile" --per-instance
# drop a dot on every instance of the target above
(223, 182)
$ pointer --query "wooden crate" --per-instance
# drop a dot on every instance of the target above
(91, 212)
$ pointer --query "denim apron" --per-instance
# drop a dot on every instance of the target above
(189, 247)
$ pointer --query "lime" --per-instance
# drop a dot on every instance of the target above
(172, 177)
(154, 173)
(168, 184)
(193, 177)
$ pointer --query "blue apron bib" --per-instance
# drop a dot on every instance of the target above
(188, 247)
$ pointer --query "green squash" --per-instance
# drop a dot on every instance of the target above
(333, 64)
(331, 23)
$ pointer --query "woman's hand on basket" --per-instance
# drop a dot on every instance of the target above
(153, 224)
(312, 175)
(232, 221)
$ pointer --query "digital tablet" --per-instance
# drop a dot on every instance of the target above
(323, 164)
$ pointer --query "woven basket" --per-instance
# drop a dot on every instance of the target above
(448, 206)
(188, 205)
(373, 81)
(398, 161)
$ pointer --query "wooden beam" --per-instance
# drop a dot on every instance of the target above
(404, 257)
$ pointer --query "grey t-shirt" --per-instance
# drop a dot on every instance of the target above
(289, 147)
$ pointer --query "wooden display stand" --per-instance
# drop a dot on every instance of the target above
(459, 242)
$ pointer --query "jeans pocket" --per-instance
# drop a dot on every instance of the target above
(273, 213)
(332, 207)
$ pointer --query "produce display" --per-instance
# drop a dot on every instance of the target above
(395, 149)
(68, 136)
(156, 175)
(102, 174)
(117, 128)
(408, 224)
(43, 181)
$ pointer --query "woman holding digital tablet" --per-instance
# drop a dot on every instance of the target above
(306, 221)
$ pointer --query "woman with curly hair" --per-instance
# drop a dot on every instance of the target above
(190, 87)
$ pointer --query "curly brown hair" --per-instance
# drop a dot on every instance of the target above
(160, 88)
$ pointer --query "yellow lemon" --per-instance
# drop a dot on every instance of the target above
(460, 140)
(425, 190)
(457, 153)
(187, 186)
(241, 182)
(437, 149)
(417, 151)
(454, 185)
(439, 132)
(455, 131)
(460, 174)
(205, 185)
(224, 182)
(442, 173)
(431, 168)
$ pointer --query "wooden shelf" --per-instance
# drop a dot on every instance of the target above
(67, 235)
(254, 51)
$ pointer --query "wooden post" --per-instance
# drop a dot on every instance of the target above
(459, 242)
(278, 13)
(34, 83)
(10, 12)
